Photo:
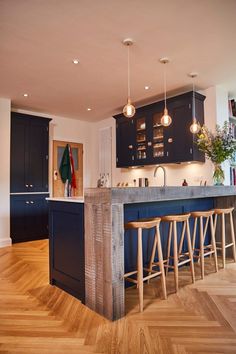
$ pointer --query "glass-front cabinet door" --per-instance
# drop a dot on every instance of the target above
(157, 136)
(161, 139)
(141, 140)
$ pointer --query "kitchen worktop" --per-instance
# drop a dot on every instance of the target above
(152, 194)
(66, 199)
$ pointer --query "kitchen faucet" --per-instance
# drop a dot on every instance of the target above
(164, 171)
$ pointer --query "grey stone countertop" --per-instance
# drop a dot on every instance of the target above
(151, 194)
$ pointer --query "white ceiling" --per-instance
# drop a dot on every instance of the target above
(39, 39)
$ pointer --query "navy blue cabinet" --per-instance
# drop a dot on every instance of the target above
(28, 175)
(66, 242)
(143, 140)
(29, 153)
(29, 217)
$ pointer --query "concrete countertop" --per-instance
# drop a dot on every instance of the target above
(151, 194)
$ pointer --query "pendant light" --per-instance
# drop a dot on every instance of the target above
(166, 119)
(195, 126)
(129, 109)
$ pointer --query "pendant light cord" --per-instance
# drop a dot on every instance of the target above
(165, 83)
(128, 72)
(193, 110)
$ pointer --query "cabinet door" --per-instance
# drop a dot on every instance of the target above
(125, 142)
(183, 138)
(38, 156)
(36, 217)
(141, 140)
(161, 139)
(29, 217)
(66, 241)
(19, 154)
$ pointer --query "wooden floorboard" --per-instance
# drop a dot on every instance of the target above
(36, 317)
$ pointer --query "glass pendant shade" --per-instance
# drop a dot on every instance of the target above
(195, 126)
(129, 109)
(166, 120)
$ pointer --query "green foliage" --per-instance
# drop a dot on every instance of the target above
(218, 146)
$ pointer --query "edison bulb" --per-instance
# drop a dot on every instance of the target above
(129, 110)
(195, 126)
(166, 120)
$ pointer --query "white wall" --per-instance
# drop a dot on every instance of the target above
(5, 111)
(193, 173)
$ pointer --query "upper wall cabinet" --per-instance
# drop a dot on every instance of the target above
(29, 153)
(142, 140)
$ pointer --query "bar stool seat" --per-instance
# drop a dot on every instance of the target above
(179, 257)
(204, 250)
(140, 225)
(222, 245)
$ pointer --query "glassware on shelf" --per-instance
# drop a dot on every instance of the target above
(158, 150)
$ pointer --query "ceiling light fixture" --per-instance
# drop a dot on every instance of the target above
(89, 109)
(146, 87)
(129, 109)
(25, 95)
(166, 119)
(75, 61)
(195, 126)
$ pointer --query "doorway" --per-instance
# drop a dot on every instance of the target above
(77, 153)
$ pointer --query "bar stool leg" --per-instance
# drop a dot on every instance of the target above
(161, 265)
(213, 242)
(140, 269)
(201, 247)
(190, 252)
(194, 233)
(152, 257)
(223, 238)
(176, 270)
(168, 247)
(232, 235)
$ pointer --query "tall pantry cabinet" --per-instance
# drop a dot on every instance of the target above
(29, 177)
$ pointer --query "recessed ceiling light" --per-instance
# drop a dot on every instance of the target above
(146, 87)
(75, 61)
(25, 95)
(89, 109)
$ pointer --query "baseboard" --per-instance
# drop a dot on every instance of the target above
(5, 242)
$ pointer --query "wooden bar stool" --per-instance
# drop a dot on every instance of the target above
(204, 250)
(179, 257)
(141, 225)
(222, 244)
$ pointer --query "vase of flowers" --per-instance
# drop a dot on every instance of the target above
(218, 147)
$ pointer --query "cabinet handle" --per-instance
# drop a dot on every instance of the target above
(31, 202)
(133, 157)
(27, 186)
(149, 143)
(170, 140)
(191, 151)
(130, 147)
(31, 185)
(167, 153)
(27, 202)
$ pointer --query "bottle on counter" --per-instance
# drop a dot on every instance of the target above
(184, 183)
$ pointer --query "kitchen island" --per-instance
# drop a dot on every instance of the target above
(105, 212)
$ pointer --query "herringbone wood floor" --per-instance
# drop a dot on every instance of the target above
(38, 318)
